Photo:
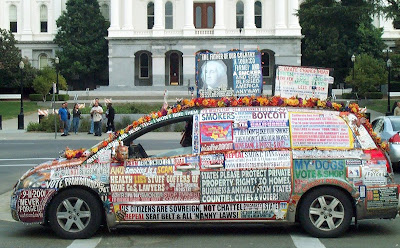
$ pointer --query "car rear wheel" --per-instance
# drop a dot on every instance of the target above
(326, 212)
(75, 214)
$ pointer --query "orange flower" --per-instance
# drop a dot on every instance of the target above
(135, 123)
(205, 103)
(185, 101)
(191, 103)
(105, 143)
(178, 108)
(246, 101)
(221, 103)
(234, 103)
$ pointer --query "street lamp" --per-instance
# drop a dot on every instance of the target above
(57, 61)
(353, 59)
(388, 64)
(21, 114)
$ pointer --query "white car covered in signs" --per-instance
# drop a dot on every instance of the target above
(237, 164)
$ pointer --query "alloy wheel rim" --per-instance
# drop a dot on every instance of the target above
(326, 213)
(73, 214)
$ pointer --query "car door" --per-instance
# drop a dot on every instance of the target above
(245, 162)
(163, 187)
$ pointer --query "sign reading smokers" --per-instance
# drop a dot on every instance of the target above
(234, 73)
(304, 82)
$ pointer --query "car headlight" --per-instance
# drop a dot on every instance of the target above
(33, 181)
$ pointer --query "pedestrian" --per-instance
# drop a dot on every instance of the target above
(394, 106)
(397, 109)
(97, 112)
(91, 131)
(110, 114)
(68, 117)
(62, 114)
(76, 116)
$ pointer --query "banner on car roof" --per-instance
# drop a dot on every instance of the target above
(304, 82)
(233, 73)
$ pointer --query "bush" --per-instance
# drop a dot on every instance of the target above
(373, 95)
(35, 97)
(349, 96)
(124, 122)
(63, 97)
(84, 124)
(49, 97)
(32, 127)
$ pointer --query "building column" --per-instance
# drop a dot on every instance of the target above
(158, 29)
(293, 6)
(188, 29)
(26, 20)
(56, 13)
(158, 69)
(249, 23)
(121, 68)
(189, 71)
(128, 24)
(280, 17)
(219, 28)
(114, 25)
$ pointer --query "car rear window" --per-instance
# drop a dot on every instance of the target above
(395, 124)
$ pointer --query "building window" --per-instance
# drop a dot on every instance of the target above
(43, 61)
(13, 18)
(150, 15)
(43, 18)
(239, 14)
(144, 66)
(204, 15)
(168, 16)
(105, 11)
(258, 14)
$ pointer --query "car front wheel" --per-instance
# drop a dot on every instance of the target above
(75, 214)
(325, 212)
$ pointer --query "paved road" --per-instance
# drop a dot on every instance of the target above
(15, 153)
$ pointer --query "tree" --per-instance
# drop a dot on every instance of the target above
(334, 30)
(370, 74)
(10, 57)
(389, 9)
(81, 35)
(45, 79)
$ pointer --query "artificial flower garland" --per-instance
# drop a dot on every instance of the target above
(277, 101)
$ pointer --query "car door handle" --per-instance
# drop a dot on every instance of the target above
(214, 166)
(185, 167)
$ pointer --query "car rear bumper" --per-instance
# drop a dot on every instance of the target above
(381, 202)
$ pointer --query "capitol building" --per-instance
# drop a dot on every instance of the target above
(154, 42)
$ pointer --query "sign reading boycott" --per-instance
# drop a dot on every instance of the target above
(304, 82)
(229, 73)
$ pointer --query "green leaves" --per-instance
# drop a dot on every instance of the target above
(369, 74)
(334, 30)
(43, 83)
(81, 35)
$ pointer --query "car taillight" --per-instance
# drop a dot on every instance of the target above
(378, 157)
(395, 138)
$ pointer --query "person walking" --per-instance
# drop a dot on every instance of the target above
(110, 114)
(76, 116)
(63, 115)
(97, 113)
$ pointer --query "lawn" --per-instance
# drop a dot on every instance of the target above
(11, 109)
(379, 105)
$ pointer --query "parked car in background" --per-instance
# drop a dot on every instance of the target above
(388, 128)
(249, 164)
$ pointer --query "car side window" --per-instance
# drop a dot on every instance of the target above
(178, 141)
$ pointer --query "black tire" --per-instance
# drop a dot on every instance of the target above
(322, 219)
(75, 214)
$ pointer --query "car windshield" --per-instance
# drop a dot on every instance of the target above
(395, 124)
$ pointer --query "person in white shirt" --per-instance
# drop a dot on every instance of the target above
(97, 113)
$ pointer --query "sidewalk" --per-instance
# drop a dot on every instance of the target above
(10, 131)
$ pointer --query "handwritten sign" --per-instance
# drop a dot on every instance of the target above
(319, 130)
(303, 82)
